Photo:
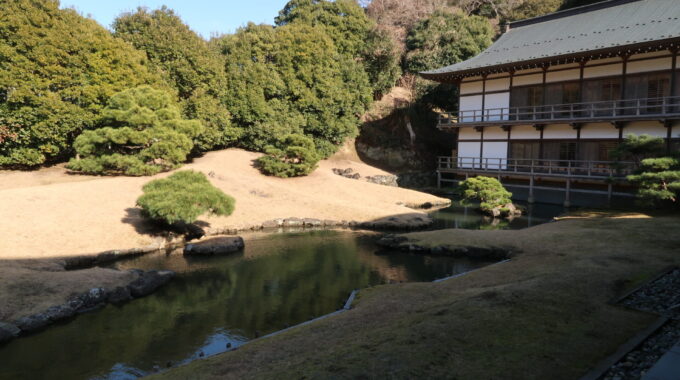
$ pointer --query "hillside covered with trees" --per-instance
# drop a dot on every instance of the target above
(306, 80)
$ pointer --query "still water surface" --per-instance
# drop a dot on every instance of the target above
(279, 280)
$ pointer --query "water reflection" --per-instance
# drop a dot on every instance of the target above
(276, 282)
(468, 217)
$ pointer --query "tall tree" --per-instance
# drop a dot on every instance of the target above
(189, 64)
(354, 34)
(57, 71)
(292, 80)
(445, 38)
(142, 133)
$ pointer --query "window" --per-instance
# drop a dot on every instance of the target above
(524, 150)
(644, 91)
(597, 150)
(525, 99)
(559, 150)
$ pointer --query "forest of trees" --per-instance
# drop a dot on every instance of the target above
(295, 90)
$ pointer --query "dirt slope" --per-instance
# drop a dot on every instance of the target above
(50, 213)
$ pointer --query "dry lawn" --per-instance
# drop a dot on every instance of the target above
(49, 213)
(544, 315)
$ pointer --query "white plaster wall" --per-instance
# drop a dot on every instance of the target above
(493, 150)
(527, 79)
(559, 131)
(501, 84)
(469, 103)
(599, 131)
(466, 150)
(527, 71)
(495, 101)
(560, 76)
(649, 65)
(520, 132)
(652, 54)
(675, 132)
(468, 133)
(603, 71)
(470, 87)
(653, 128)
(495, 133)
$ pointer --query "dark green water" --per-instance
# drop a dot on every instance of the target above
(467, 217)
(279, 280)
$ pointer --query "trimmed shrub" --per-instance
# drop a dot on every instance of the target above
(183, 197)
(57, 71)
(488, 191)
(144, 134)
(297, 157)
(658, 181)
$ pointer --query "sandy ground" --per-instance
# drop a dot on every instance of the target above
(49, 213)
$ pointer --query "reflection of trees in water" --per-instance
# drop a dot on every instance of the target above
(278, 281)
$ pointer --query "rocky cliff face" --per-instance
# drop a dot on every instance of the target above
(402, 138)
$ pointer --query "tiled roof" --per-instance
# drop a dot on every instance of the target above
(592, 28)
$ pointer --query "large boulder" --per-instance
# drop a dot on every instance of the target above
(33, 322)
(149, 281)
(218, 246)
(8, 332)
(57, 313)
(385, 180)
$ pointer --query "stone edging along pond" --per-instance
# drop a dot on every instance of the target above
(147, 282)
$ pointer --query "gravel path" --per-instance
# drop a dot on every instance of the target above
(661, 296)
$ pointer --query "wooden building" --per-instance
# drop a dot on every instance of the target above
(555, 94)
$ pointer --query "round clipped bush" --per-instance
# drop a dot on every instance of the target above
(183, 197)
(488, 191)
(298, 157)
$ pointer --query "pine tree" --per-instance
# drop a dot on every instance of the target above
(142, 133)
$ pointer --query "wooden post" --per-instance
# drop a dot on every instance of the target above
(609, 193)
(439, 179)
(567, 202)
(531, 199)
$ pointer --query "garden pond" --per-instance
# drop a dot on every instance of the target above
(213, 304)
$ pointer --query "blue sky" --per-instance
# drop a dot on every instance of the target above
(203, 16)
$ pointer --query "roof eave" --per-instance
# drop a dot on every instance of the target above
(454, 76)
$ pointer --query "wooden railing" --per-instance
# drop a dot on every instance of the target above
(603, 110)
(556, 168)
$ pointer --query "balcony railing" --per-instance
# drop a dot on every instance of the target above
(524, 166)
(603, 110)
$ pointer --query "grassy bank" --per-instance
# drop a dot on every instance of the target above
(545, 314)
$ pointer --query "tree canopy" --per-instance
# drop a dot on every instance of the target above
(189, 64)
(354, 34)
(142, 133)
(292, 80)
(57, 71)
(445, 38)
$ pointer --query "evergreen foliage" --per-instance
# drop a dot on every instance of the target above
(291, 80)
(488, 191)
(194, 69)
(637, 148)
(445, 38)
(57, 71)
(354, 34)
(295, 157)
(142, 133)
(183, 197)
(658, 180)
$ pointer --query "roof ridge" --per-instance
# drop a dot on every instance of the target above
(569, 12)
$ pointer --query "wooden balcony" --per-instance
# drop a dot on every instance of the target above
(567, 176)
(661, 109)
(572, 169)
